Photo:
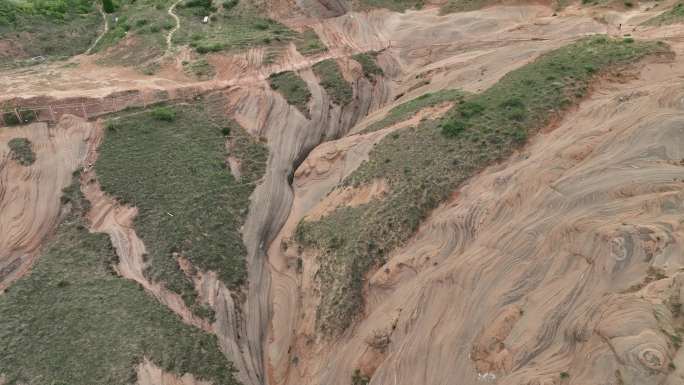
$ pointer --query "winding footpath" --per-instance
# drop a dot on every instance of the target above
(104, 31)
(171, 32)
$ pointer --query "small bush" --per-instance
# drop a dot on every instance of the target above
(229, 4)
(166, 114)
(209, 47)
(10, 119)
(108, 6)
(21, 151)
(564, 375)
(359, 379)
(470, 109)
(453, 127)
(261, 25)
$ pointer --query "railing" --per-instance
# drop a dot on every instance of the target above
(25, 111)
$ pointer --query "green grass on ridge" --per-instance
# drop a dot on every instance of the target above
(423, 165)
(73, 321)
(171, 165)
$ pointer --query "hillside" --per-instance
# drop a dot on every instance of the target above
(341, 192)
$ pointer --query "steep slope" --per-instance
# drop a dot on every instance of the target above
(30, 194)
(581, 279)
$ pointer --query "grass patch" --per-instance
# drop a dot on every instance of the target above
(235, 26)
(328, 71)
(21, 151)
(199, 69)
(54, 29)
(674, 15)
(407, 110)
(423, 165)
(308, 43)
(164, 114)
(369, 64)
(73, 321)
(145, 24)
(293, 89)
(392, 5)
(189, 204)
(464, 5)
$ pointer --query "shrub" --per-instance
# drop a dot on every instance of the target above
(108, 6)
(21, 151)
(209, 47)
(453, 127)
(261, 25)
(166, 114)
(27, 116)
(564, 375)
(470, 109)
(359, 379)
(229, 4)
(10, 119)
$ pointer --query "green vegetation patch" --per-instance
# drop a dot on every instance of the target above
(423, 165)
(672, 16)
(339, 89)
(144, 24)
(406, 110)
(200, 69)
(393, 5)
(369, 64)
(293, 88)
(50, 28)
(21, 151)
(359, 379)
(308, 43)
(23, 117)
(465, 5)
(233, 26)
(73, 321)
(171, 164)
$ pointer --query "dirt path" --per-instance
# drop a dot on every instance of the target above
(104, 31)
(169, 43)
